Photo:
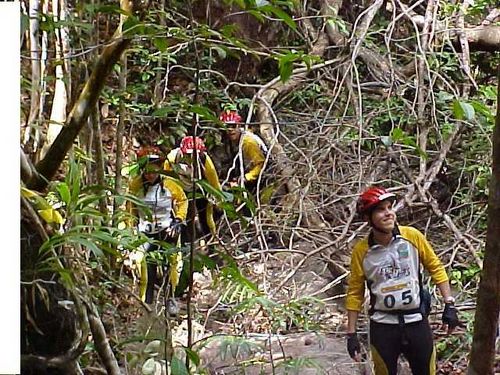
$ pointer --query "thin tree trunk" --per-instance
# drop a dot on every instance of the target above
(423, 91)
(59, 103)
(34, 9)
(120, 127)
(98, 155)
(482, 357)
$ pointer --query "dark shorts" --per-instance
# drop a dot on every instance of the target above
(413, 340)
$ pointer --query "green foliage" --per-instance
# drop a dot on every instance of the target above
(451, 347)
(461, 277)
(463, 110)
(237, 287)
(300, 313)
(286, 61)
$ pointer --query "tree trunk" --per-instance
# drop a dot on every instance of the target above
(58, 112)
(33, 12)
(482, 357)
(49, 165)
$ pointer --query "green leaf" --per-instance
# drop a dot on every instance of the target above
(193, 356)
(281, 14)
(64, 193)
(161, 44)
(220, 195)
(463, 110)
(257, 15)
(397, 134)
(204, 112)
(286, 69)
(162, 111)
(178, 367)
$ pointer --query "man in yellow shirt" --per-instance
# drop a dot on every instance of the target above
(164, 217)
(247, 149)
(180, 160)
(388, 261)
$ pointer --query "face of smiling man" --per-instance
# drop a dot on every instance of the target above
(383, 217)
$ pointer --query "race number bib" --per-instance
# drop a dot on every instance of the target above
(400, 296)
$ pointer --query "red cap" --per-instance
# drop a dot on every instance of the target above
(372, 197)
(188, 144)
(230, 117)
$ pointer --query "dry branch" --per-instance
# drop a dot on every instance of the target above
(267, 95)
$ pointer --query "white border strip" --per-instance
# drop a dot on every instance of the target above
(9, 102)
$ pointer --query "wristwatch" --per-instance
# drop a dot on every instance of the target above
(449, 300)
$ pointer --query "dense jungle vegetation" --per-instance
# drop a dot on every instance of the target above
(345, 94)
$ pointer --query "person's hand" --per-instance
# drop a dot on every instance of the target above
(175, 227)
(353, 346)
(450, 317)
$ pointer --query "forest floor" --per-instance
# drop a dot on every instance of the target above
(262, 338)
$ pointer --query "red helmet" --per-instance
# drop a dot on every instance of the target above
(372, 197)
(230, 117)
(153, 153)
(188, 144)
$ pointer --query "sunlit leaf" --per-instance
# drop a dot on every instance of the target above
(51, 216)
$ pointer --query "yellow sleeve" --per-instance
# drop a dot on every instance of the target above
(179, 199)
(211, 173)
(134, 187)
(213, 180)
(426, 253)
(356, 283)
(253, 156)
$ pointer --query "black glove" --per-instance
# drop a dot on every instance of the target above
(450, 316)
(175, 227)
(353, 346)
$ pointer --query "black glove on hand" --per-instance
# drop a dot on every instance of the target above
(175, 227)
(353, 346)
(450, 316)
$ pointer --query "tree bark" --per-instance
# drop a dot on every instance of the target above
(60, 100)
(34, 9)
(49, 165)
(482, 356)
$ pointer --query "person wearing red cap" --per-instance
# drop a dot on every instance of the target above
(180, 161)
(250, 146)
(388, 262)
(164, 217)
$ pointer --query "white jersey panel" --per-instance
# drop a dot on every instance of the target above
(392, 274)
(159, 201)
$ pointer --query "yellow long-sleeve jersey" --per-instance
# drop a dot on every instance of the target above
(173, 192)
(392, 274)
(207, 171)
(254, 155)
